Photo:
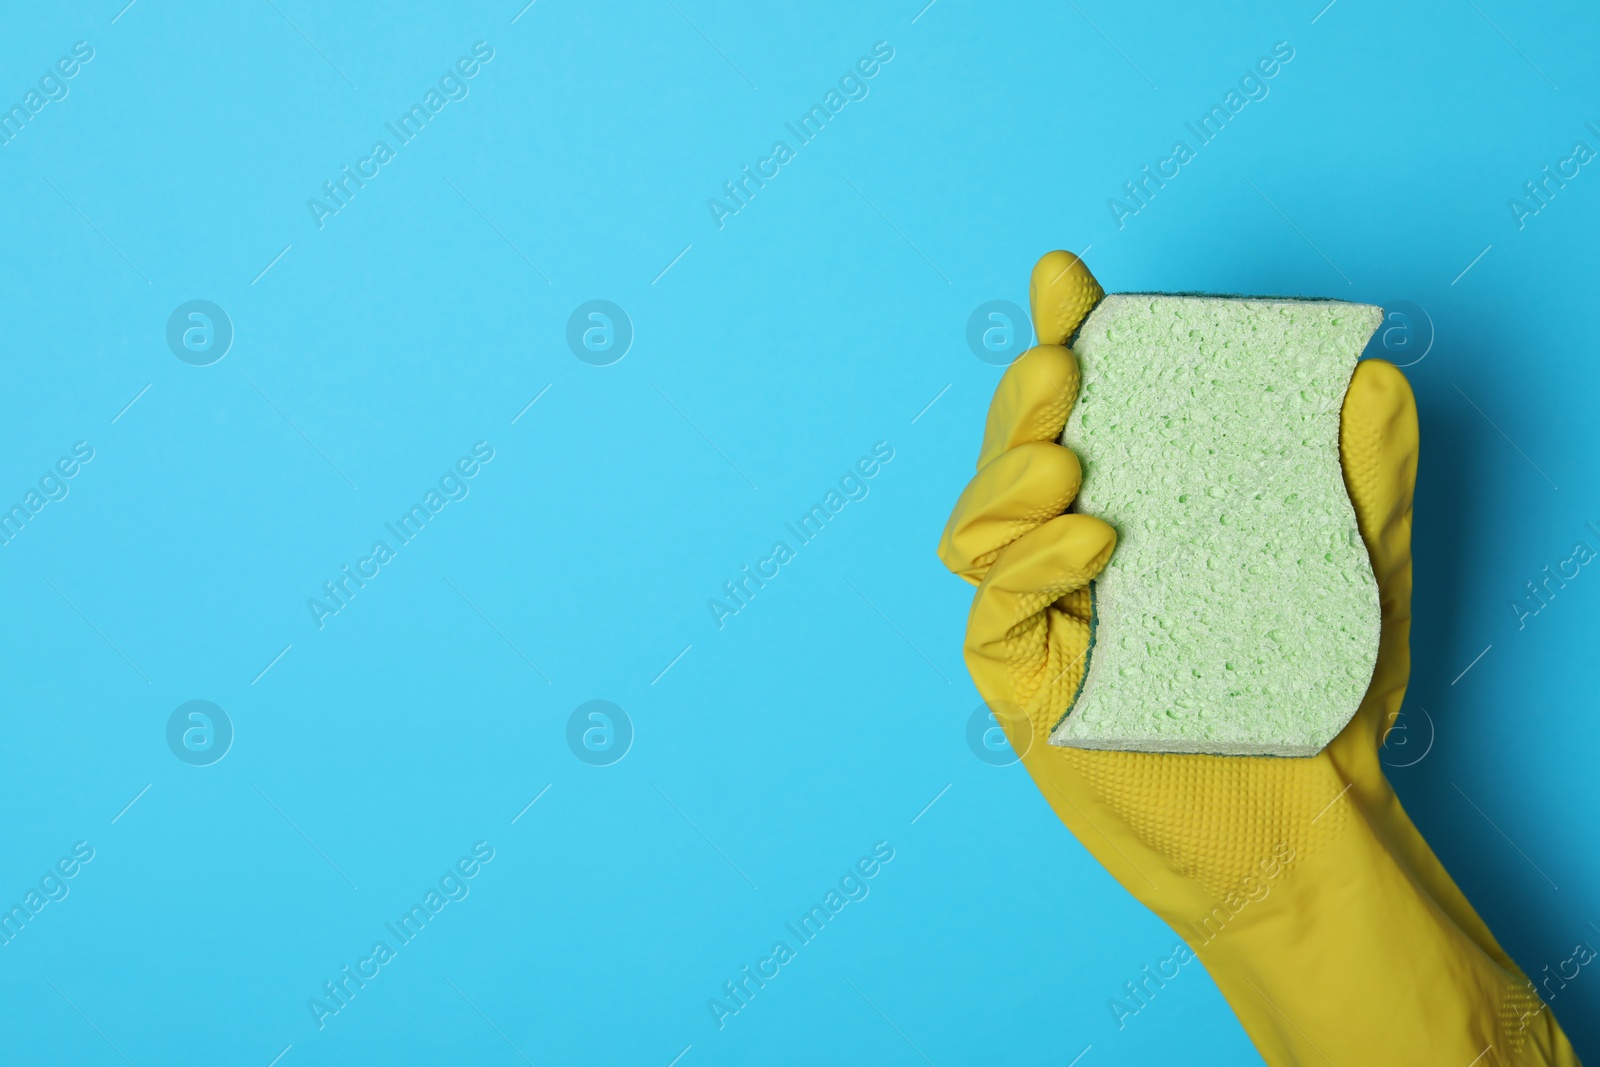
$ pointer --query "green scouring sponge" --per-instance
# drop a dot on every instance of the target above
(1238, 614)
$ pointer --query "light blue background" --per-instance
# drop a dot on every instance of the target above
(822, 318)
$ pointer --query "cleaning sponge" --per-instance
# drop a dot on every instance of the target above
(1238, 614)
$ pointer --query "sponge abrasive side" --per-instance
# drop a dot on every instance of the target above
(1239, 614)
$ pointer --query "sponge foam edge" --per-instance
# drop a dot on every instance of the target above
(1239, 614)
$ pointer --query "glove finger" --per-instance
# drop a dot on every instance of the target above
(1032, 401)
(1378, 449)
(1061, 292)
(1009, 631)
(1019, 490)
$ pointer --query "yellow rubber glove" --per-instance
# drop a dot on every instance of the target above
(1301, 884)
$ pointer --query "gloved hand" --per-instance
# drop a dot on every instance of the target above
(1301, 884)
